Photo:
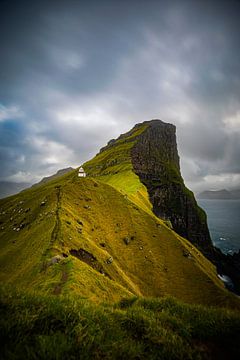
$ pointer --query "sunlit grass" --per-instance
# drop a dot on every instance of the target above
(40, 327)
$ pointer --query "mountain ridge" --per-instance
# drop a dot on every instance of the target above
(88, 269)
(8, 188)
(155, 162)
(144, 164)
(99, 237)
(222, 194)
(59, 173)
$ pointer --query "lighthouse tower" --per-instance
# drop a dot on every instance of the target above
(81, 172)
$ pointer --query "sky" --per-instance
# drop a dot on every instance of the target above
(75, 74)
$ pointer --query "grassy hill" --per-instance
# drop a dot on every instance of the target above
(91, 249)
(82, 235)
(113, 165)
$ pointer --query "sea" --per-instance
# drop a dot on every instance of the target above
(223, 218)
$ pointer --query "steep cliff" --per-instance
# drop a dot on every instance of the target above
(71, 247)
(155, 160)
(81, 236)
(143, 164)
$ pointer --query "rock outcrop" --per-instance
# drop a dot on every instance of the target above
(155, 160)
(149, 150)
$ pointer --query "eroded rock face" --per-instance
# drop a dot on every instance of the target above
(155, 160)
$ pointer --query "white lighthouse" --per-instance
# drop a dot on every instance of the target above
(81, 172)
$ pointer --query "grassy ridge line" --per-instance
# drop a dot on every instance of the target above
(113, 165)
(152, 264)
(33, 326)
(24, 252)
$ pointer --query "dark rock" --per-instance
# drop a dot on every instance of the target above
(109, 260)
(84, 255)
(126, 240)
(54, 260)
(155, 160)
(89, 259)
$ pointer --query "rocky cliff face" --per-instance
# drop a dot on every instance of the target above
(155, 160)
(149, 150)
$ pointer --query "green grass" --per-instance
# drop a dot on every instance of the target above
(113, 166)
(82, 305)
(48, 327)
(85, 214)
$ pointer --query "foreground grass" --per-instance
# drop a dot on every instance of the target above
(38, 327)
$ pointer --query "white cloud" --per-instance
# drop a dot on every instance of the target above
(23, 176)
(50, 151)
(220, 181)
(10, 112)
(87, 113)
(232, 123)
(82, 81)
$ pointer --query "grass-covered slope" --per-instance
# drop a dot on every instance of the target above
(40, 327)
(88, 269)
(80, 235)
(144, 165)
(113, 165)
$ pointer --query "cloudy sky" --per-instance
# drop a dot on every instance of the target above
(74, 74)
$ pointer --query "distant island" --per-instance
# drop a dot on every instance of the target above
(220, 194)
(59, 173)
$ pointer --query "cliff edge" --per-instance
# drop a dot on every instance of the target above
(155, 160)
(144, 165)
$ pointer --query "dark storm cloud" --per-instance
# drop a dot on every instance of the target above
(74, 74)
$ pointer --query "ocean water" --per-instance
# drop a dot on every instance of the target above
(224, 223)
